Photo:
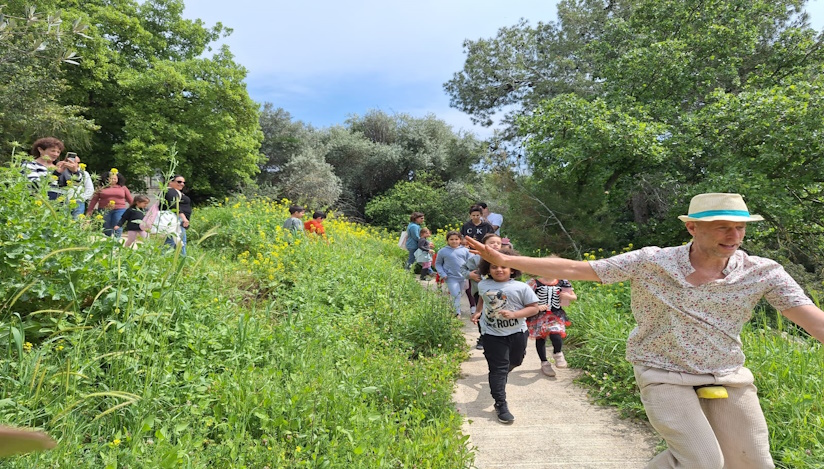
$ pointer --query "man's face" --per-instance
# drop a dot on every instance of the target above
(718, 238)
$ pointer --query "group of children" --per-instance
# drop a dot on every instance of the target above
(295, 222)
(507, 311)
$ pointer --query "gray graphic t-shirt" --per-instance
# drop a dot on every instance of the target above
(504, 296)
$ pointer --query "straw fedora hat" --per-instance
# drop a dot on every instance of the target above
(715, 206)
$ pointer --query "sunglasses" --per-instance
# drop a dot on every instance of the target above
(181, 182)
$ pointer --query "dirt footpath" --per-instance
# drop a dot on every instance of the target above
(556, 425)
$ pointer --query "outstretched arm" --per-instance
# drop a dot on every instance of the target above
(809, 317)
(550, 267)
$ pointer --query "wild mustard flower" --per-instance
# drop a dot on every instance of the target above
(27, 347)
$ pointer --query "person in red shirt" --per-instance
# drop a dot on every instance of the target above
(315, 225)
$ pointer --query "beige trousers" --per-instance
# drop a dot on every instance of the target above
(705, 433)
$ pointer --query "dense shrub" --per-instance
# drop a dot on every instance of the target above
(259, 349)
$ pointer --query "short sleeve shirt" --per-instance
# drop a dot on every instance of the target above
(293, 224)
(496, 219)
(695, 329)
(476, 232)
(503, 296)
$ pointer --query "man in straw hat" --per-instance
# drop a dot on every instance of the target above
(690, 303)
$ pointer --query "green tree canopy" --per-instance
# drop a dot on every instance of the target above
(34, 47)
(668, 99)
(144, 80)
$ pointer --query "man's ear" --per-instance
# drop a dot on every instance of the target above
(690, 227)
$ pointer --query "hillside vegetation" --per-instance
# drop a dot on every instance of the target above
(257, 350)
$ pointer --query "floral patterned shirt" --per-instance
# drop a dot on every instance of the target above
(695, 329)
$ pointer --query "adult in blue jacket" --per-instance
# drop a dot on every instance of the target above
(413, 234)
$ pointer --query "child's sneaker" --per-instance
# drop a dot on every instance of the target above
(503, 413)
(479, 345)
(560, 361)
(546, 368)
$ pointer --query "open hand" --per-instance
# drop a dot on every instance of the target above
(491, 255)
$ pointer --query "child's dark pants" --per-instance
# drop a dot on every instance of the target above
(503, 353)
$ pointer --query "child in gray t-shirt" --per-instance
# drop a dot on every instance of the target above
(295, 221)
(504, 304)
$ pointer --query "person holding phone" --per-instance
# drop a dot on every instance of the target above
(45, 152)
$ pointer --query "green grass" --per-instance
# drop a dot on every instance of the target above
(263, 349)
(256, 350)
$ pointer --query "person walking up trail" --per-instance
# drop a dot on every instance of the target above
(690, 303)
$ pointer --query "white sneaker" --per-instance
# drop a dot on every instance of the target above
(560, 361)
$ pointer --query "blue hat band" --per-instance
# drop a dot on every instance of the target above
(715, 213)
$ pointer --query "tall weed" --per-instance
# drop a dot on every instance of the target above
(259, 349)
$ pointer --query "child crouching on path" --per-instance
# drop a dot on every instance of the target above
(448, 264)
(551, 322)
(504, 303)
(132, 218)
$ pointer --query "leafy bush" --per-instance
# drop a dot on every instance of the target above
(259, 349)
(441, 206)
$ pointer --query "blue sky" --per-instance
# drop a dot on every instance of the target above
(324, 60)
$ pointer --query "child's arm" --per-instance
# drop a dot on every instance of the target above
(527, 311)
(479, 307)
(567, 296)
(124, 219)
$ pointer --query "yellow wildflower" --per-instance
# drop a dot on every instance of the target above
(113, 171)
(27, 346)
